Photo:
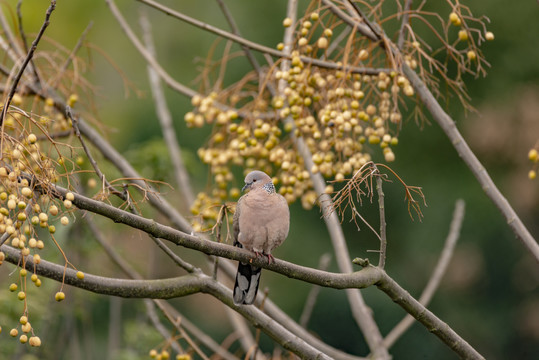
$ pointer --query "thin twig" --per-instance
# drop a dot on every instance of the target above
(78, 45)
(404, 23)
(154, 318)
(381, 208)
(100, 175)
(437, 274)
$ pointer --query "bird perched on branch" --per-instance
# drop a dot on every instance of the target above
(261, 223)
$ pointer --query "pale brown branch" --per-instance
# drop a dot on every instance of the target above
(437, 274)
(478, 170)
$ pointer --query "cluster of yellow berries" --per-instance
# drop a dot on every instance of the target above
(340, 116)
(165, 355)
(25, 337)
(533, 156)
(27, 163)
(464, 35)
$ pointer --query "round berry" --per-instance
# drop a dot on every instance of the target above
(59, 296)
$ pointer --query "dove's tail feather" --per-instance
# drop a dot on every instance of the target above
(246, 286)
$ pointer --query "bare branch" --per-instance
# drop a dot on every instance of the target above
(459, 143)
(190, 284)
(437, 274)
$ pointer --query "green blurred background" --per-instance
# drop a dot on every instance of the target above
(490, 293)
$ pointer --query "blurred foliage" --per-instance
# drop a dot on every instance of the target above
(489, 295)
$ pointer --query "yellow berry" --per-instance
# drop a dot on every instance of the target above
(454, 18)
(53, 210)
(315, 16)
(153, 353)
(322, 43)
(52, 229)
(21, 295)
(80, 275)
(43, 217)
(64, 220)
(23, 320)
(26, 327)
(40, 245)
(489, 36)
(38, 282)
(70, 196)
(17, 99)
(67, 204)
(532, 174)
(533, 155)
(287, 22)
(33, 277)
(32, 138)
(471, 55)
(13, 287)
(35, 341)
(59, 296)
(463, 35)
(23, 339)
(73, 98)
(14, 332)
(37, 258)
(27, 192)
(23, 272)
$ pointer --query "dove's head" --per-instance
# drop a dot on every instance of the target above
(256, 179)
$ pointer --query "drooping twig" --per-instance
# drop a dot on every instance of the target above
(437, 274)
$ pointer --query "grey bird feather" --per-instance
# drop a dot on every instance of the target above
(261, 223)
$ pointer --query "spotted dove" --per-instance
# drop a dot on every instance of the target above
(261, 223)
